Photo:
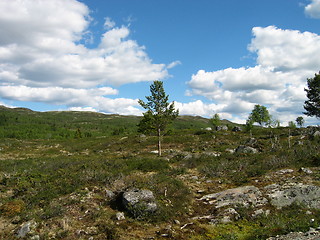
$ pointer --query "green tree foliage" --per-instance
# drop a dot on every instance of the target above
(159, 112)
(300, 121)
(215, 120)
(291, 124)
(274, 123)
(260, 114)
(312, 106)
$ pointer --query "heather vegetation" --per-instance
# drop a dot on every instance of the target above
(57, 169)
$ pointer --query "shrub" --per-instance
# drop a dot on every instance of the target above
(12, 208)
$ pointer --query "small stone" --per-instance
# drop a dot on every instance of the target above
(225, 219)
(194, 177)
(110, 194)
(258, 213)
(201, 191)
(229, 150)
(306, 170)
(246, 149)
(26, 228)
(237, 129)
(285, 171)
(176, 222)
(267, 212)
(120, 216)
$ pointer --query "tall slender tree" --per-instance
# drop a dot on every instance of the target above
(159, 112)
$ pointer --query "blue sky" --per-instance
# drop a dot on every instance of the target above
(213, 56)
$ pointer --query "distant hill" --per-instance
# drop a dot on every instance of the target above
(23, 123)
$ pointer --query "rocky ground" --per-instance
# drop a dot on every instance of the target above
(261, 197)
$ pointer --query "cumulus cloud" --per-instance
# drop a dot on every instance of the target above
(39, 46)
(197, 108)
(285, 59)
(313, 9)
(42, 53)
(285, 50)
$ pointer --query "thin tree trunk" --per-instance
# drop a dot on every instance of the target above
(159, 142)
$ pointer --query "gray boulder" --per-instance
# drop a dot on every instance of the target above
(316, 134)
(139, 203)
(237, 129)
(285, 195)
(222, 128)
(246, 149)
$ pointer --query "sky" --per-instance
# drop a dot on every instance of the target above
(214, 56)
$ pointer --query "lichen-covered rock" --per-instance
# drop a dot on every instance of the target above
(285, 195)
(246, 196)
(310, 235)
(316, 134)
(26, 228)
(139, 202)
(222, 128)
(246, 149)
(306, 170)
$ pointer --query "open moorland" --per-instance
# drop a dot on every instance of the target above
(81, 175)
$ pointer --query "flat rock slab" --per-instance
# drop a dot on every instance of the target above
(285, 195)
(311, 235)
(246, 196)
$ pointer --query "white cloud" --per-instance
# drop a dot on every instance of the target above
(313, 9)
(42, 58)
(109, 23)
(57, 95)
(173, 64)
(285, 59)
(83, 109)
(76, 99)
(285, 50)
(197, 108)
(40, 46)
